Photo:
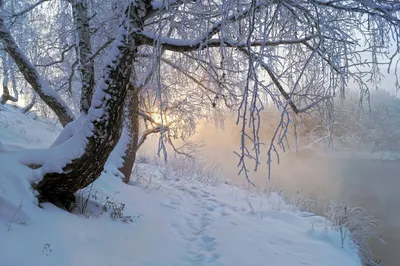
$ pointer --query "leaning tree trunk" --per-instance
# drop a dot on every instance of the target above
(104, 118)
(132, 129)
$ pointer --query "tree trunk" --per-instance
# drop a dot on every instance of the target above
(105, 116)
(132, 128)
(6, 92)
(30, 105)
(84, 52)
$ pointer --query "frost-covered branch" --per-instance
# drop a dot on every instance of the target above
(28, 9)
(181, 45)
(386, 9)
(61, 60)
(32, 76)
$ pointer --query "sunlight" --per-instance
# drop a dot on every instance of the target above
(165, 119)
(157, 118)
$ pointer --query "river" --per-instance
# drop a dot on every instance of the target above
(369, 183)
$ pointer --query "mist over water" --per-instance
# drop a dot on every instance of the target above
(371, 184)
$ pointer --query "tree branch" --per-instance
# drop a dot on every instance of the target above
(32, 76)
(273, 78)
(28, 9)
(179, 45)
(63, 53)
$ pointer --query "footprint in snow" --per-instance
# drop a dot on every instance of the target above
(168, 206)
(223, 213)
(209, 208)
(208, 243)
(213, 200)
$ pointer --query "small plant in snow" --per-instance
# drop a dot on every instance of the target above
(15, 219)
(116, 210)
(300, 202)
(142, 158)
(356, 225)
(84, 196)
(250, 206)
(189, 170)
(47, 249)
(103, 205)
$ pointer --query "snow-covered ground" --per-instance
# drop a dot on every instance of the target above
(165, 221)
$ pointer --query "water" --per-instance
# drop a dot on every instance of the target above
(371, 184)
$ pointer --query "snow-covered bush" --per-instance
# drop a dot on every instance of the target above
(356, 225)
(189, 170)
(92, 204)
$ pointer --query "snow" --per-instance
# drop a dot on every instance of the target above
(70, 129)
(115, 161)
(17, 131)
(174, 222)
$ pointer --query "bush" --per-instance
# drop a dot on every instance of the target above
(356, 225)
(189, 170)
(92, 203)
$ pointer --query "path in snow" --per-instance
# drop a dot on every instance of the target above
(195, 210)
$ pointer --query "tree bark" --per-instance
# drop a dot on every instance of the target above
(84, 52)
(132, 128)
(104, 118)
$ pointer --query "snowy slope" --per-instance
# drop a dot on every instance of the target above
(17, 131)
(172, 222)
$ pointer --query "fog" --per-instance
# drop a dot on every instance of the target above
(372, 184)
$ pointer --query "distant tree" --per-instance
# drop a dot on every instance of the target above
(6, 91)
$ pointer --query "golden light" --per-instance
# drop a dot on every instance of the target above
(165, 118)
(157, 118)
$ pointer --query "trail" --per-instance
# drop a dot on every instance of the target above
(195, 212)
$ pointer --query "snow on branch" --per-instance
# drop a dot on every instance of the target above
(32, 76)
(213, 30)
(61, 60)
(180, 45)
(386, 9)
(28, 9)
